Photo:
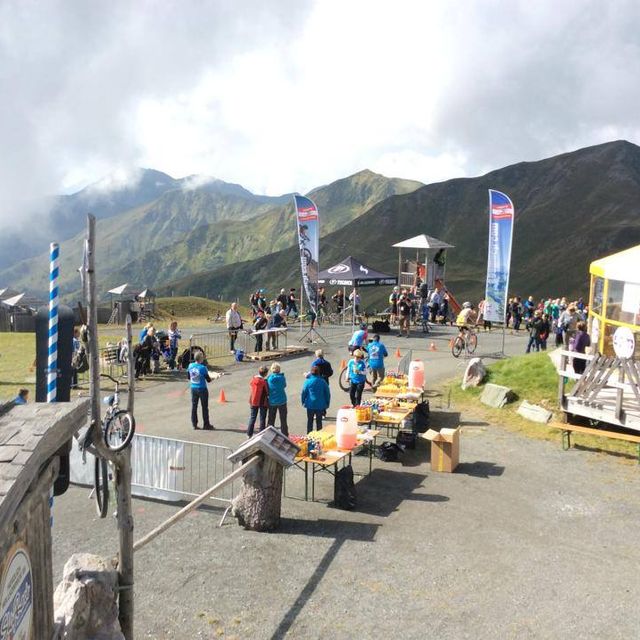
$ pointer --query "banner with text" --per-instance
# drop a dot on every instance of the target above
(309, 243)
(501, 218)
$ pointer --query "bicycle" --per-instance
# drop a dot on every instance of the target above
(466, 340)
(118, 425)
(343, 378)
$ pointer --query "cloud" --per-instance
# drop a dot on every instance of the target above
(284, 96)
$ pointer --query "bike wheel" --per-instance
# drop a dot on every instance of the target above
(343, 379)
(472, 342)
(101, 486)
(457, 347)
(119, 430)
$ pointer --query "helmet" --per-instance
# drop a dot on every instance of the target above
(358, 353)
(466, 305)
(363, 325)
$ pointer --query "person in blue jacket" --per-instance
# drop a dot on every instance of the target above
(316, 398)
(199, 376)
(277, 398)
(357, 370)
(358, 339)
(377, 354)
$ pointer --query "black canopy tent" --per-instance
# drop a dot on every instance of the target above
(352, 273)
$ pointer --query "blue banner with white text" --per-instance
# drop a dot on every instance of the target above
(501, 218)
(308, 224)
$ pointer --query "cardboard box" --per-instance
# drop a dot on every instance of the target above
(445, 449)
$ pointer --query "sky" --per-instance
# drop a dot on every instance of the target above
(286, 95)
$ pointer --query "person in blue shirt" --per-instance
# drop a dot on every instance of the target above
(199, 376)
(315, 398)
(358, 339)
(22, 397)
(377, 354)
(277, 398)
(357, 370)
(174, 336)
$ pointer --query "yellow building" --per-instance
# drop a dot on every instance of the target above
(614, 299)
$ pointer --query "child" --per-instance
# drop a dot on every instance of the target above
(258, 400)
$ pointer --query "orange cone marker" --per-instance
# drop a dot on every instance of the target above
(343, 364)
(398, 354)
(222, 399)
(432, 347)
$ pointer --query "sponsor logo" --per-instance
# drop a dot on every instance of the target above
(365, 271)
(338, 268)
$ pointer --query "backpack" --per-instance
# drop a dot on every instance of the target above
(388, 451)
(380, 326)
(421, 417)
(344, 489)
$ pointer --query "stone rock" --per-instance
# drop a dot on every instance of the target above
(86, 599)
(495, 395)
(474, 374)
(534, 412)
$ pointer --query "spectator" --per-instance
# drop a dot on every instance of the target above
(377, 354)
(404, 313)
(275, 322)
(291, 303)
(544, 331)
(315, 398)
(534, 326)
(144, 330)
(568, 324)
(174, 336)
(277, 398)
(581, 341)
(516, 313)
(143, 351)
(338, 298)
(324, 366)
(234, 324)
(354, 299)
(258, 400)
(282, 299)
(393, 305)
(357, 371)
(260, 324)
(199, 376)
(22, 397)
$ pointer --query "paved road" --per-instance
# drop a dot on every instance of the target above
(524, 541)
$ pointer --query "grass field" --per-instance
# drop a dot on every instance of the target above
(532, 377)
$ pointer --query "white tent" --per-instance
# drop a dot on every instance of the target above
(121, 290)
(13, 302)
(423, 241)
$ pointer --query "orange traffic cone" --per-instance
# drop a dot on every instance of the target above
(343, 364)
(451, 342)
(222, 399)
(432, 347)
(398, 354)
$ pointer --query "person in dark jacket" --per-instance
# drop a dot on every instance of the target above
(277, 398)
(258, 400)
(534, 326)
(315, 398)
(260, 324)
(324, 366)
(581, 341)
(143, 352)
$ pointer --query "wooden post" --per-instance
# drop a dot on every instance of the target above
(563, 366)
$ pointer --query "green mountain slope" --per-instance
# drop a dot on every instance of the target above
(570, 209)
(225, 242)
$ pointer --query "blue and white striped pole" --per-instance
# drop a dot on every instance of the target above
(52, 373)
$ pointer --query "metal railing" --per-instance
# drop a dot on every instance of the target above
(215, 344)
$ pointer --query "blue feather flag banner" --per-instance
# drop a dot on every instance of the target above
(308, 229)
(501, 219)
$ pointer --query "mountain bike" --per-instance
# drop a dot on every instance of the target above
(118, 425)
(466, 340)
(343, 378)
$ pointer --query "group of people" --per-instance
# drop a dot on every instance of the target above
(152, 346)
(265, 321)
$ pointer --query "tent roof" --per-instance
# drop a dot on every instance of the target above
(13, 302)
(121, 290)
(423, 242)
(147, 293)
(351, 272)
(624, 266)
(8, 292)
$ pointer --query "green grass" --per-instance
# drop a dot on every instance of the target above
(17, 355)
(532, 377)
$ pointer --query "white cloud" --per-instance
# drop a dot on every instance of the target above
(284, 96)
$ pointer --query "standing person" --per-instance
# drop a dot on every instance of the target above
(393, 305)
(534, 326)
(143, 352)
(291, 303)
(324, 366)
(568, 322)
(377, 354)
(404, 313)
(581, 341)
(282, 299)
(275, 322)
(258, 400)
(234, 324)
(544, 331)
(199, 376)
(277, 398)
(529, 306)
(516, 312)
(260, 324)
(338, 298)
(315, 398)
(357, 371)
(354, 299)
(174, 336)
(435, 302)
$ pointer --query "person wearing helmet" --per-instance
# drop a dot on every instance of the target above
(466, 318)
(358, 339)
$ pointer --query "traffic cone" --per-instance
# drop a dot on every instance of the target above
(451, 342)
(222, 399)
(398, 354)
(432, 347)
(343, 364)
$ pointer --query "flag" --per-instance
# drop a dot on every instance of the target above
(307, 222)
(501, 218)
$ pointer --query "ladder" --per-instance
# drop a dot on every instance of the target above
(114, 316)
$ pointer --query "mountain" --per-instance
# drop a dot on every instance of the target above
(66, 215)
(196, 224)
(570, 210)
(224, 242)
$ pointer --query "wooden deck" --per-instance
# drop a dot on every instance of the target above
(262, 356)
(603, 408)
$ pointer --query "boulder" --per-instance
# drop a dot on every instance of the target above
(86, 599)
(495, 395)
(534, 412)
(474, 374)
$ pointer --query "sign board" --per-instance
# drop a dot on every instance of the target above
(16, 595)
(272, 443)
(624, 343)
(631, 298)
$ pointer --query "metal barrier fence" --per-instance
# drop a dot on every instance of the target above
(215, 344)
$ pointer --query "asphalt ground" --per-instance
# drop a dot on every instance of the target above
(523, 541)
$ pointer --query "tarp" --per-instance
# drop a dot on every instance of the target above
(623, 266)
(352, 273)
(423, 242)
